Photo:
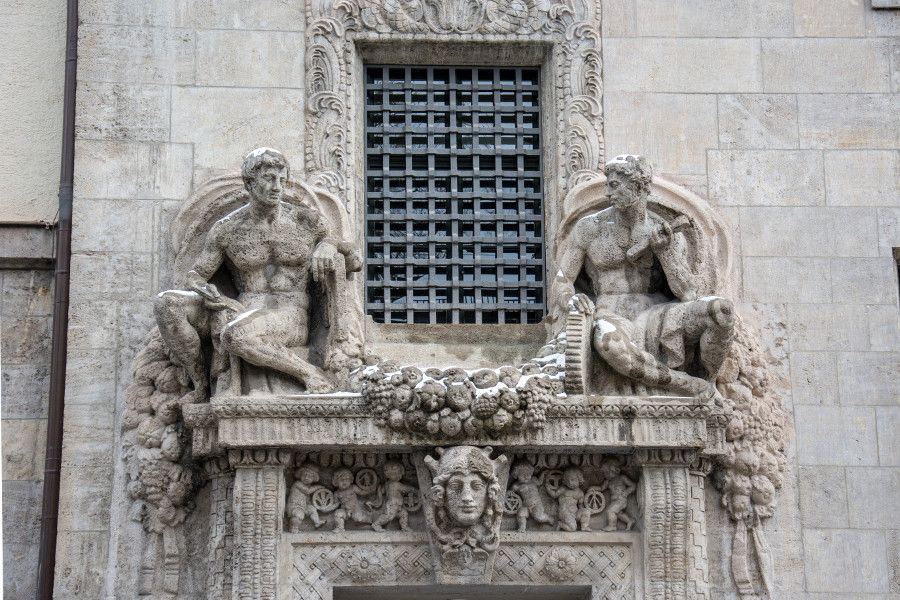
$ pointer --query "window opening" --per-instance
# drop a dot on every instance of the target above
(454, 206)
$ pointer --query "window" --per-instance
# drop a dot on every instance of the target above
(454, 218)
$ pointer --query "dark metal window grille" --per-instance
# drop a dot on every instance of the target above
(454, 215)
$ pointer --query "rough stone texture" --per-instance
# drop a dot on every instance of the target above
(801, 126)
(32, 37)
(25, 311)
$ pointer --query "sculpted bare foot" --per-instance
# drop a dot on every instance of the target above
(318, 385)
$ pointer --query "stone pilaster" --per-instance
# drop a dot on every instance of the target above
(698, 559)
(221, 528)
(667, 489)
(259, 495)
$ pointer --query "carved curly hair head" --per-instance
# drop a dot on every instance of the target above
(636, 168)
(263, 157)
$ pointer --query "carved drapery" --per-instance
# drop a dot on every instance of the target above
(571, 26)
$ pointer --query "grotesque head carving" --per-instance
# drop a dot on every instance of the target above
(465, 487)
(628, 180)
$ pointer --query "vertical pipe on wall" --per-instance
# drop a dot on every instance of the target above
(50, 507)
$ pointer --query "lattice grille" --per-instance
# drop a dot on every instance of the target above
(454, 216)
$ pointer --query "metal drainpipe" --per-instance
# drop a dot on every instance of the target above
(50, 509)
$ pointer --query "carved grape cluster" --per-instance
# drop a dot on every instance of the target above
(450, 403)
(752, 470)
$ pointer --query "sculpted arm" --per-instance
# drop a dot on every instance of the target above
(569, 268)
(211, 258)
(671, 250)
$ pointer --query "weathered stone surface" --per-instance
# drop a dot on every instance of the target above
(118, 226)
(764, 276)
(139, 170)
(869, 378)
(823, 497)
(718, 18)
(814, 378)
(766, 177)
(24, 441)
(82, 578)
(234, 58)
(798, 231)
(864, 280)
(845, 561)
(126, 54)
(25, 389)
(884, 328)
(873, 497)
(114, 276)
(829, 18)
(22, 512)
(862, 178)
(87, 436)
(822, 326)
(848, 120)
(659, 64)
(758, 121)
(123, 111)
(825, 65)
(888, 421)
(828, 435)
(674, 129)
(26, 293)
(236, 14)
(888, 230)
(89, 379)
(25, 340)
(227, 122)
(88, 493)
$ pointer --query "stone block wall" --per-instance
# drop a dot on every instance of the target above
(781, 112)
(784, 114)
(26, 304)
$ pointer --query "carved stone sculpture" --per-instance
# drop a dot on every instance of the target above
(464, 510)
(300, 504)
(274, 250)
(646, 321)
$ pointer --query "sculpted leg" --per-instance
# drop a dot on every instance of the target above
(711, 327)
(620, 353)
(182, 320)
(253, 337)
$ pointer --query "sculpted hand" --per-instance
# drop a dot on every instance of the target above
(661, 236)
(323, 261)
(581, 303)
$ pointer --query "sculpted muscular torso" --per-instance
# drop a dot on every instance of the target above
(617, 248)
(272, 248)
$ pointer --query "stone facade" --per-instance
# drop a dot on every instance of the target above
(776, 111)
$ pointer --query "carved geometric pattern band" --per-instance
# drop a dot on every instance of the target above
(454, 222)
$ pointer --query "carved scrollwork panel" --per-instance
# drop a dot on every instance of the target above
(573, 27)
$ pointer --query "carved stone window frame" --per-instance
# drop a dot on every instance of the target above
(562, 37)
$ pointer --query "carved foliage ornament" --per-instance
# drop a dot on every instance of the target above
(572, 25)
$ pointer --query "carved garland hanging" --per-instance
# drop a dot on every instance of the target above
(570, 25)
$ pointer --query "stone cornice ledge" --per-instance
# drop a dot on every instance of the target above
(618, 424)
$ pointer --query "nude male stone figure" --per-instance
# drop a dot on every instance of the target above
(272, 248)
(649, 339)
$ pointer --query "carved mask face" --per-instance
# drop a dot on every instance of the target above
(466, 498)
(621, 190)
(267, 187)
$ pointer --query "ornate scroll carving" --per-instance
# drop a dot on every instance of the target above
(572, 26)
(221, 528)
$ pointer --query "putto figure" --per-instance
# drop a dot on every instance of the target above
(529, 490)
(299, 501)
(395, 490)
(649, 326)
(572, 514)
(273, 249)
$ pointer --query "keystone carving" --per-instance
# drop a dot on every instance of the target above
(463, 510)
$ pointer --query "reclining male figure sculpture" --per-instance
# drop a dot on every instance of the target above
(272, 248)
(649, 340)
